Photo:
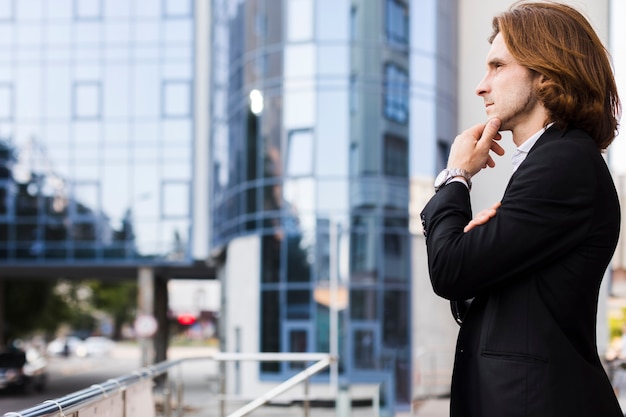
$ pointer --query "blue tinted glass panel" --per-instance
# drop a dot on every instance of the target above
(299, 20)
(364, 350)
(58, 34)
(58, 92)
(87, 100)
(397, 23)
(178, 167)
(88, 33)
(7, 9)
(86, 200)
(28, 10)
(333, 19)
(332, 195)
(117, 8)
(63, 9)
(177, 132)
(176, 8)
(28, 93)
(7, 35)
(6, 101)
(175, 199)
(332, 133)
(88, 9)
(174, 238)
(145, 80)
(147, 8)
(116, 91)
(147, 32)
(300, 153)
(396, 94)
(116, 133)
(176, 99)
(117, 32)
(28, 34)
(178, 31)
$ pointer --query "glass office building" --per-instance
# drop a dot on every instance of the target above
(96, 131)
(322, 110)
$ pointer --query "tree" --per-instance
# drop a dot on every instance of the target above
(118, 299)
(33, 306)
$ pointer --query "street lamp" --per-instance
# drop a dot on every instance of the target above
(256, 102)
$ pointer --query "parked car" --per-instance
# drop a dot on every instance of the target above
(95, 346)
(64, 346)
(23, 371)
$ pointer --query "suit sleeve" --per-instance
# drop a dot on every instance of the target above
(545, 213)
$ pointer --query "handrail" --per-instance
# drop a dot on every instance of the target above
(78, 400)
(88, 396)
(288, 384)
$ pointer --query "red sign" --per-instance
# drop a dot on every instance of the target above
(186, 319)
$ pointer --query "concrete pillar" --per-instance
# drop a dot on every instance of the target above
(161, 338)
(145, 306)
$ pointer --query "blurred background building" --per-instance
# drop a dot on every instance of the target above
(322, 113)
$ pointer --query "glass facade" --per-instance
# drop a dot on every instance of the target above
(96, 130)
(310, 140)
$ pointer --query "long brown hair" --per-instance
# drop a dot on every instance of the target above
(559, 43)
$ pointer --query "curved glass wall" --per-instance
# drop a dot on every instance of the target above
(95, 130)
(311, 152)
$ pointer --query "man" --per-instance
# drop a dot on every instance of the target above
(533, 263)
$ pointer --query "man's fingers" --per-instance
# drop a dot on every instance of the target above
(491, 129)
(495, 147)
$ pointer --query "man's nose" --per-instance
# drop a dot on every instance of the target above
(482, 87)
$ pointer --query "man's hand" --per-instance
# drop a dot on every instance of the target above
(482, 217)
(471, 148)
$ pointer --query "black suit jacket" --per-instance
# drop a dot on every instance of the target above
(527, 346)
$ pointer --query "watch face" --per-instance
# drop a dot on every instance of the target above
(441, 178)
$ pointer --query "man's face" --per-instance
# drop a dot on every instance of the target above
(508, 88)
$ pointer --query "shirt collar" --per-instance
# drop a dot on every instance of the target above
(522, 151)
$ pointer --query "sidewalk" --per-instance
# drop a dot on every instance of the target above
(439, 407)
(430, 408)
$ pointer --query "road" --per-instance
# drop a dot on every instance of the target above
(67, 375)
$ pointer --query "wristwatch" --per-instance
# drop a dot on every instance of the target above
(446, 175)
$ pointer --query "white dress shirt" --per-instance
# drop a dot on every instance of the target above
(522, 151)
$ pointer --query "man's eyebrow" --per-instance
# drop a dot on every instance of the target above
(495, 61)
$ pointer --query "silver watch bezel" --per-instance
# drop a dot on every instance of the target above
(444, 177)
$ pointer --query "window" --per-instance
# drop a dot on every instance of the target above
(6, 102)
(175, 202)
(299, 153)
(7, 10)
(270, 328)
(363, 304)
(176, 99)
(173, 9)
(396, 101)
(396, 154)
(300, 15)
(87, 9)
(443, 151)
(87, 100)
(397, 23)
(6, 200)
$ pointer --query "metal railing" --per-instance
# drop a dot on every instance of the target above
(71, 404)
